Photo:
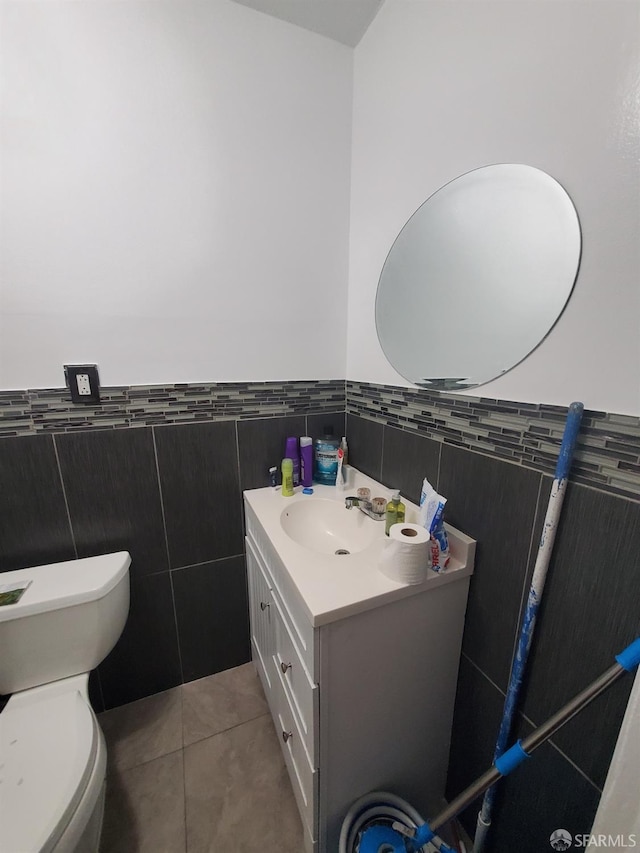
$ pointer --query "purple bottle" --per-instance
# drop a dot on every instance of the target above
(306, 460)
(291, 452)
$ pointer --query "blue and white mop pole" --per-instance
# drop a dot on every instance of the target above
(381, 822)
(556, 499)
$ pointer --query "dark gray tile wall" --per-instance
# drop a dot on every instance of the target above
(146, 659)
(261, 445)
(607, 454)
(171, 496)
(403, 455)
(213, 616)
(365, 445)
(198, 468)
(94, 485)
(332, 423)
(112, 492)
(32, 504)
(495, 503)
(589, 613)
(545, 794)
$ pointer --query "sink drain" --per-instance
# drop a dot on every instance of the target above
(342, 551)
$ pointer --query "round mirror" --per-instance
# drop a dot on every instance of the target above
(478, 276)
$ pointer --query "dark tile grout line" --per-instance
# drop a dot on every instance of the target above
(75, 547)
(239, 472)
(565, 756)
(437, 483)
(175, 622)
(64, 495)
(190, 566)
(164, 519)
(532, 723)
(482, 672)
(242, 527)
(526, 580)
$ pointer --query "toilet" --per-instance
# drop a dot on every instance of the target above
(53, 756)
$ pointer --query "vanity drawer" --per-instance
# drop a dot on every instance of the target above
(304, 780)
(299, 689)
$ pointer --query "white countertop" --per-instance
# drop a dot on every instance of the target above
(332, 587)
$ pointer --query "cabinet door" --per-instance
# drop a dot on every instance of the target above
(260, 607)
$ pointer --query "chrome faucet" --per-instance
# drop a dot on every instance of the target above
(364, 506)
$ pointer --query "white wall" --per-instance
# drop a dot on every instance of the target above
(619, 810)
(445, 86)
(175, 193)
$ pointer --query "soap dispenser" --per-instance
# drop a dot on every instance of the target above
(395, 512)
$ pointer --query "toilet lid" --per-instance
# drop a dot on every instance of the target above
(48, 746)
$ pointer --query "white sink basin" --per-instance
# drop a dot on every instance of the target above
(328, 527)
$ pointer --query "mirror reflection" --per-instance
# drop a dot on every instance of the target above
(478, 276)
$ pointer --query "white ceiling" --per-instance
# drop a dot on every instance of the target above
(343, 20)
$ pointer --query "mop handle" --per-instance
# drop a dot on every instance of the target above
(626, 661)
(547, 539)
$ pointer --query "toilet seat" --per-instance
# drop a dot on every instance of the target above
(49, 741)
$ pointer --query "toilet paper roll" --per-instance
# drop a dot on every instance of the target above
(406, 554)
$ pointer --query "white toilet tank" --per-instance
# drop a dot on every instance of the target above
(66, 622)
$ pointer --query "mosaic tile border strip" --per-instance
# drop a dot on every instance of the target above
(51, 410)
(607, 453)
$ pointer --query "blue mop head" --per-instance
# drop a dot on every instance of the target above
(379, 838)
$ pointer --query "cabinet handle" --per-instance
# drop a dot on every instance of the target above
(286, 736)
(264, 605)
(284, 667)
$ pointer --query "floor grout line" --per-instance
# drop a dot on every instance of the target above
(184, 771)
(117, 769)
(229, 729)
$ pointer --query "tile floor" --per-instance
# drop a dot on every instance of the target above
(198, 769)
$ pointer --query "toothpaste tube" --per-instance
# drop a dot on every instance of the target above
(432, 519)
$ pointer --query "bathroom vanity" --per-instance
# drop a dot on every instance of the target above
(359, 671)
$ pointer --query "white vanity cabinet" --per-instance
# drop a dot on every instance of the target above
(288, 684)
(361, 693)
